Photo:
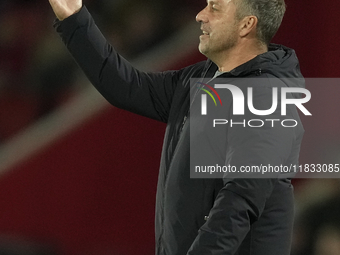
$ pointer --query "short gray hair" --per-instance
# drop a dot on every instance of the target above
(268, 12)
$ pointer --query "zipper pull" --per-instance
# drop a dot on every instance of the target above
(185, 118)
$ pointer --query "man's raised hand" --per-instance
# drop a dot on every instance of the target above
(65, 8)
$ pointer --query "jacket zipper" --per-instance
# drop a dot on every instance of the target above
(188, 112)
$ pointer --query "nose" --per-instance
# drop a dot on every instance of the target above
(201, 16)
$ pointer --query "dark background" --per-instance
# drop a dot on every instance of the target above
(93, 190)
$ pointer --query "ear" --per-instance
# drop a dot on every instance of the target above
(247, 25)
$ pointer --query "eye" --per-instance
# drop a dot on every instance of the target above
(214, 7)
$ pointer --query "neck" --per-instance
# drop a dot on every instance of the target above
(237, 56)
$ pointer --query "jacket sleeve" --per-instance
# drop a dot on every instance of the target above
(147, 94)
(241, 201)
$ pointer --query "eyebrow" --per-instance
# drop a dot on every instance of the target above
(212, 2)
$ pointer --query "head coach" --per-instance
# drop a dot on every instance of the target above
(204, 216)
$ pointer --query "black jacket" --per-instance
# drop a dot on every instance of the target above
(246, 216)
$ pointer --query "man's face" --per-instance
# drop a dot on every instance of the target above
(219, 26)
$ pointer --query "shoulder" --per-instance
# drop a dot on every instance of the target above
(194, 71)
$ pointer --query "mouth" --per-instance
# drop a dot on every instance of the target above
(205, 32)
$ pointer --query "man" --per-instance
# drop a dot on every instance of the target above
(204, 216)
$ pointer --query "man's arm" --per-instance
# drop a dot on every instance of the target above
(231, 217)
(241, 201)
(237, 206)
(147, 94)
